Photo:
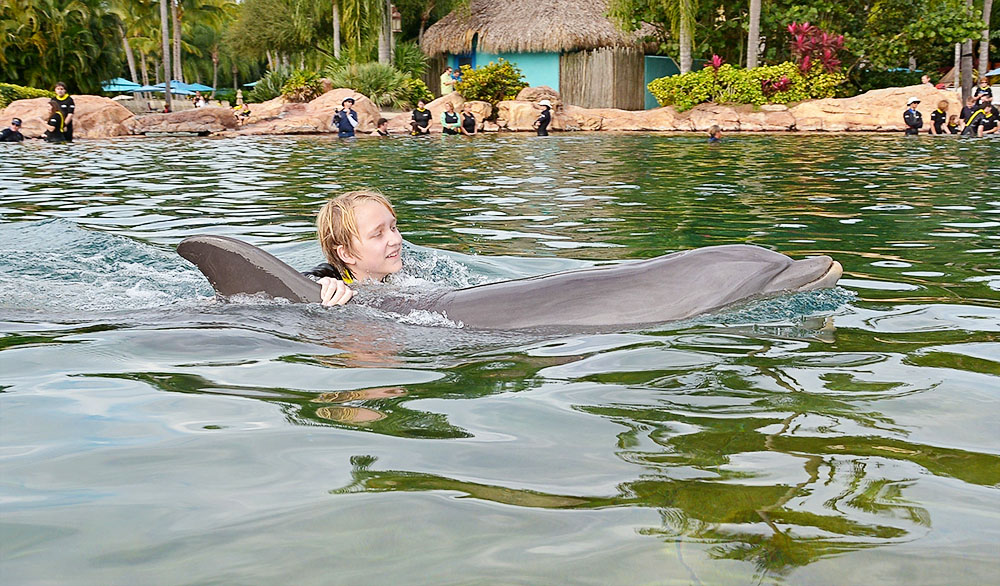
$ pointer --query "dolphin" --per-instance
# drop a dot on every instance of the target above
(659, 290)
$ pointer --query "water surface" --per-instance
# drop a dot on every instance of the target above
(151, 434)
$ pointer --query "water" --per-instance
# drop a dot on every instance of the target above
(151, 434)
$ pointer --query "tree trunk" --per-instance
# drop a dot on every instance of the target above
(685, 41)
(270, 60)
(388, 31)
(215, 68)
(129, 56)
(753, 38)
(383, 42)
(912, 63)
(165, 31)
(984, 40)
(236, 74)
(336, 30)
(145, 71)
(178, 73)
(957, 82)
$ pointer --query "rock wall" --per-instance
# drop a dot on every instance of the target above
(877, 110)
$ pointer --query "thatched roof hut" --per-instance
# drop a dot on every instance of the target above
(529, 26)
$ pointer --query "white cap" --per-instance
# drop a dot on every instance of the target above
(545, 103)
(912, 99)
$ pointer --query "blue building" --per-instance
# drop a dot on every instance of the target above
(570, 46)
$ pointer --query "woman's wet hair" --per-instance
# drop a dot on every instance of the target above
(943, 105)
(337, 225)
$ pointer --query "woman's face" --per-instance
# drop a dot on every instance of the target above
(377, 252)
(60, 91)
(449, 107)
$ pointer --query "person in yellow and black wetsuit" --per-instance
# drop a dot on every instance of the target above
(56, 131)
(939, 118)
(990, 115)
(953, 124)
(912, 117)
(67, 107)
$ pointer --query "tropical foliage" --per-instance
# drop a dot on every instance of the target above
(383, 84)
(302, 86)
(499, 80)
(269, 86)
(10, 92)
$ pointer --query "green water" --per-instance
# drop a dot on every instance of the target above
(149, 434)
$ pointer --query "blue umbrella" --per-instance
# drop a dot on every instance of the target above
(200, 87)
(119, 84)
(161, 88)
(992, 72)
(251, 84)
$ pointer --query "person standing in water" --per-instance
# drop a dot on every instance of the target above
(939, 118)
(56, 124)
(346, 119)
(541, 125)
(912, 117)
(449, 119)
(714, 134)
(12, 134)
(469, 123)
(361, 242)
(67, 107)
(420, 119)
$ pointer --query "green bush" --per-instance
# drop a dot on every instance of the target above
(868, 79)
(417, 90)
(269, 86)
(302, 86)
(383, 84)
(226, 95)
(773, 84)
(491, 83)
(409, 58)
(10, 93)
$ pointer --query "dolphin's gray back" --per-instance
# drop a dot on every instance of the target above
(667, 288)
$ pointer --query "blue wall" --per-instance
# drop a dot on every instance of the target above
(657, 67)
(538, 68)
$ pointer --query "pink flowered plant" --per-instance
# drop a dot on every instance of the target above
(715, 63)
(809, 44)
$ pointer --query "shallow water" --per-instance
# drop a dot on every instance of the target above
(151, 434)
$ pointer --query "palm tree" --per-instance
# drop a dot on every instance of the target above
(984, 41)
(164, 29)
(680, 14)
(753, 38)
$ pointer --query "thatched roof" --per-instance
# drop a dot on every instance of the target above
(528, 26)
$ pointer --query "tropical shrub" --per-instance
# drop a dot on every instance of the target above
(10, 92)
(773, 84)
(409, 58)
(491, 83)
(417, 90)
(302, 86)
(269, 86)
(383, 84)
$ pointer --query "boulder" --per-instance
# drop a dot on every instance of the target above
(323, 107)
(519, 115)
(208, 120)
(401, 124)
(876, 110)
(575, 118)
(540, 92)
(95, 117)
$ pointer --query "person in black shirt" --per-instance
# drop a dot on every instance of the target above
(953, 124)
(542, 124)
(12, 134)
(381, 127)
(984, 89)
(56, 123)
(913, 119)
(469, 123)
(939, 118)
(420, 120)
(67, 107)
(990, 115)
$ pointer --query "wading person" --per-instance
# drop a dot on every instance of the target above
(541, 124)
(56, 124)
(358, 234)
(420, 119)
(346, 119)
(990, 116)
(939, 118)
(469, 123)
(449, 119)
(67, 107)
(381, 128)
(714, 134)
(912, 117)
(12, 134)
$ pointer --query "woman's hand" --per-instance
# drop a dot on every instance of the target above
(334, 292)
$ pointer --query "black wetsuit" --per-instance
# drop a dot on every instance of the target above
(9, 135)
(953, 127)
(326, 270)
(469, 122)
(59, 134)
(990, 118)
(450, 118)
(914, 121)
(980, 92)
(543, 121)
(422, 118)
(67, 106)
(939, 119)
(973, 121)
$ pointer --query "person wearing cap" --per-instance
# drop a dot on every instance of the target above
(913, 119)
(541, 125)
(346, 119)
(12, 134)
(67, 107)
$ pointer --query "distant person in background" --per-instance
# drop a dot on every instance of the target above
(420, 120)
(68, 107)
(199, 100)
(12, 134)
(912, 117)
(346, 119)
(56, 124)
(939, 118)
(447, 82)
(953, 124)
(926, 79)
(449, 119)
(714, 134)
(984, 89)
(541, 124)
(469, 123)
(242, 113)
(381, 128)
